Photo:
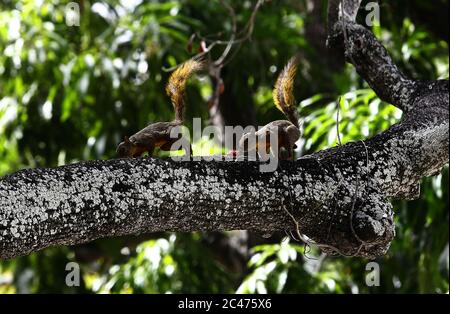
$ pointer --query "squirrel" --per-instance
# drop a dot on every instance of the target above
(157, 135)
(288, 132)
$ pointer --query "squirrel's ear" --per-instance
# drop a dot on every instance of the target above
(126, 139)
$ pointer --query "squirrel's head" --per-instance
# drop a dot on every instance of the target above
(125, 148)
(293, 133)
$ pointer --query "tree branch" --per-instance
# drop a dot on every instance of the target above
(337, 12)
(338, 197)
(367, 54)
(373, 63)
(89, 200)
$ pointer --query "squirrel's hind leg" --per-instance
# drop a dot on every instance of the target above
(285, 153)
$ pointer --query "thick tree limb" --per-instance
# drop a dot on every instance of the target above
(367, 54)
(85, 201)
(373, 63)
(346, 10)
(337, 197)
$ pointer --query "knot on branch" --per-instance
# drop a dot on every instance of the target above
(362, 225)
(369, 231)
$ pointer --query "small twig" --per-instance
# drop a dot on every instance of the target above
(306, 250)
(232, 14)
(199, 56)
(344, 31)
(227, 49)
(215, 66)
(338, 121)
(251, 23)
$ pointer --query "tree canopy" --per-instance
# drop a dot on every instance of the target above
(70, 93)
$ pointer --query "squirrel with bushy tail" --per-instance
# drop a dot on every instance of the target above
(287, 132)
(158, 134)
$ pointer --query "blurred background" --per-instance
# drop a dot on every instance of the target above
(70, 93)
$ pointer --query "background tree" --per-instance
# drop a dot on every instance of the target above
(69, 94)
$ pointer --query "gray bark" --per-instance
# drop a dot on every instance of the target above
(338, 198)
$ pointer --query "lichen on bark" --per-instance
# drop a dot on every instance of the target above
(338, 198)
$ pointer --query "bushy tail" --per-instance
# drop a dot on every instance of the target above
(177, 84)
(283, 92)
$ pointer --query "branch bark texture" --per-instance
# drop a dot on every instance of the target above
(338, 198)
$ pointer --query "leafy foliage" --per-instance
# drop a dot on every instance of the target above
(71, 93)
